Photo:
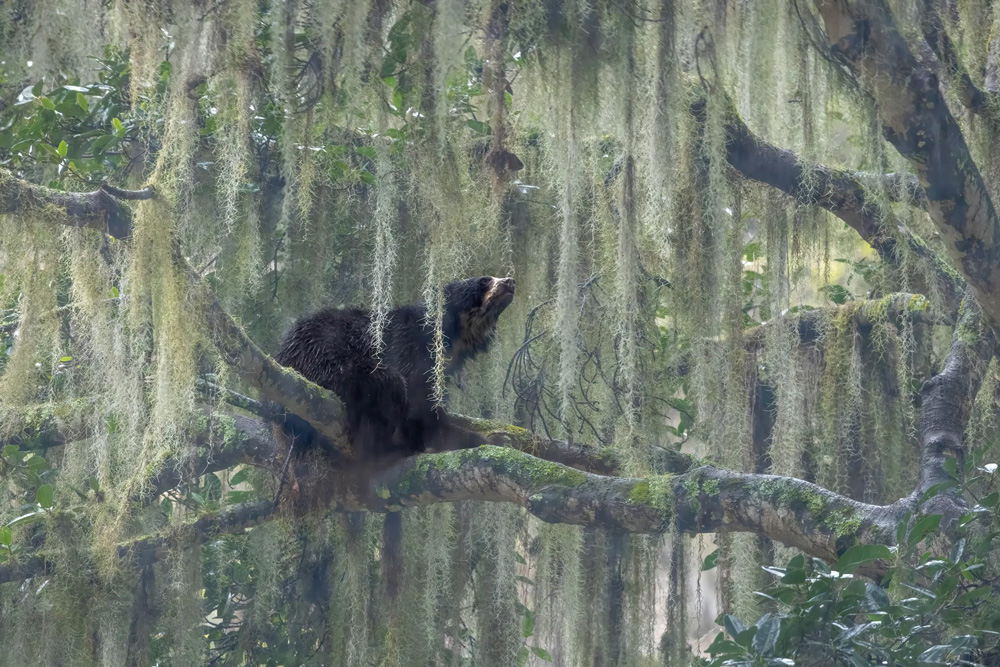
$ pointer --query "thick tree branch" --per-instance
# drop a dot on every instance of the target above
(892, 308)
(698, 499)
(100, 209)
(838, 191)
(228, 441)
(148, 550)
(917, 122)
(947, 398)
(321, 408)
(705, 499)
(975, 100)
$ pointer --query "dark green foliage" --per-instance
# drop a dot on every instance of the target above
(931, 608)
(76, 127)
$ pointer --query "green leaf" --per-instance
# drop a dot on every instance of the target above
(768, 629)
(710, 561)
(94, 484)
(235, 497)
(752, 251)
(63, 148)
(901, 529)
(838, 294)
(541, 653)
(935, 489)
(936, 655)
(968, 598)
(119, 128)
(950, 466)
(30, 517)
(238, 478)
(81, 101)
(478, 125)
(528, 628)
(367, 151)
(6, 536)
(858, 629)
(47, 103)
(45, 495)
(102, 144)
(366, 176)
(50, 149)
(733, 625)
(922, 528)
(861, 554)
(794, 577)
(65, 359)
(36, 462)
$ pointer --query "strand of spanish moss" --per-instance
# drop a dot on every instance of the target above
(292, 136)
(567, 299)
(433, 297)
(497, 638)
(342, 29)
(184, 617)
(384, 254)
(557, 590)
(626, 272)
(673, 644)
(431, 532)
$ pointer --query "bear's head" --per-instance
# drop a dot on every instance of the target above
(471, 310)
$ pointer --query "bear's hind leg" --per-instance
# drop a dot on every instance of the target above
(378, 408)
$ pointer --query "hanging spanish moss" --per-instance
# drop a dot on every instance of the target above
(315, 153)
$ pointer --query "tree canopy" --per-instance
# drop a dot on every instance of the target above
(758, 275)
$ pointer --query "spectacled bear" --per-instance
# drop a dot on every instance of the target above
(388, 399)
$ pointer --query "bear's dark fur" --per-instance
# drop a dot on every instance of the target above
(388, 400)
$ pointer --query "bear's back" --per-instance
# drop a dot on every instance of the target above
(322, 345)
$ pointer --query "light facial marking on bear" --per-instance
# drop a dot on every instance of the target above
(491, 292)
(478, 324)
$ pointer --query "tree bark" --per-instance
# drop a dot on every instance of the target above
(841, 192)
(916, 120)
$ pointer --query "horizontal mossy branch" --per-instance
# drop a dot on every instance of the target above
(147, 550)
(225, 442)
(892, 308)
(705, 499)
(100, 209)
(41, 426)
(602, 461)
(916, 120)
